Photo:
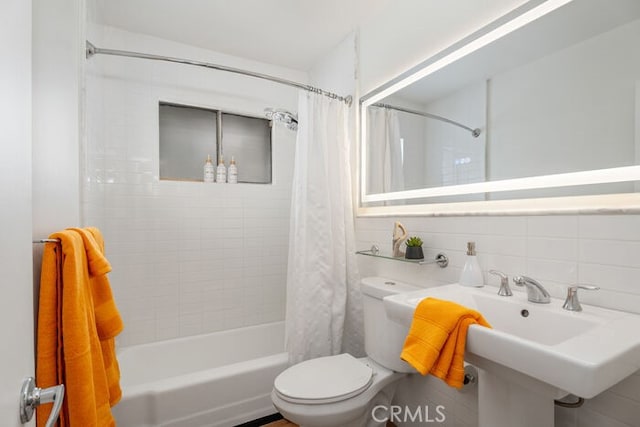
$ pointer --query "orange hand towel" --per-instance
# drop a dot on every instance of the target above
(437, 338)
(69, 348)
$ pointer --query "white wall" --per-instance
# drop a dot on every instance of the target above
(558, 250)
(58, 76)
(16, 304)
(56, 80)
(187, 258)
(58, 46)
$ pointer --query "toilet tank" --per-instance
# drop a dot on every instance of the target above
(383, 338)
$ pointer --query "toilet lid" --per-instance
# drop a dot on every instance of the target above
(324, 380)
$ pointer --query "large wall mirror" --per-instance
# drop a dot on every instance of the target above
(537, 112)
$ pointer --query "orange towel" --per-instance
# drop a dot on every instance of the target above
(71, 346)
(437, 338)
(108, 320)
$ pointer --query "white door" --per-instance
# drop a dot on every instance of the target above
(16, 299)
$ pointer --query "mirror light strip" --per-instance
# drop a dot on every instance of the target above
(480, 42)
(600, 176)
(625, 203)
(363, 154)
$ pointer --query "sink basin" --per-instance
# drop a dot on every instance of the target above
(582, 353)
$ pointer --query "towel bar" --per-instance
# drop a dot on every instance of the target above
(46, 241)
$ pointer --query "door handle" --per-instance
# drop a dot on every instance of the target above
(31, 397)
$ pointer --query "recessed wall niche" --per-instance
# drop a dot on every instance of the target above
(189, 134)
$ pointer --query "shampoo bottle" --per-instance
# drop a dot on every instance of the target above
(208, 170)
(221, 172)
(232, 172)
(471, 273)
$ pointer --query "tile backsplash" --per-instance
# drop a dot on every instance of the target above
(558, 251)
(190, 258)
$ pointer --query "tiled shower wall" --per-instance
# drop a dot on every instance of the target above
(188, 258)
(558, 251)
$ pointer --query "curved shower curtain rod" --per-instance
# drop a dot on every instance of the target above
(475, 132)
(93, 50)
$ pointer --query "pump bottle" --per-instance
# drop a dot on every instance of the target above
(208, 170)
(221, 172)
(471, 273)
(232, 172)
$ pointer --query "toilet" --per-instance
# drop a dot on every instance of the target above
(342, 391)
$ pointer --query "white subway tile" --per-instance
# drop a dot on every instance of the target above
(610, 227)
(552, 248)
(613, 278)
(167, 333)
(510, 265)
(618, 408)
(611, 252)
(629, 388)
(552, 270)
(588, 417)
(188, 328)
(502, 245)
(559, 226)
(212, 321)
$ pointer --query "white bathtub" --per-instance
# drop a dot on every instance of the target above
(220, 379)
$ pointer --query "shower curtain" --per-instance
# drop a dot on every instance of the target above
(324, 304)
(385, 151)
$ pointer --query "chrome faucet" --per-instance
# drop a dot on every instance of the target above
(572, 303)
(535, 291)
(505, 290)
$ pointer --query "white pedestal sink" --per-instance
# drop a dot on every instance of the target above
(535, 353)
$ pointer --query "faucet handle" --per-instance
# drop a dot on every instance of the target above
(572, 303)
(585, 287)
(505, 290)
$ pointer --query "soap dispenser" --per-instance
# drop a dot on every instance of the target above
(471, 273)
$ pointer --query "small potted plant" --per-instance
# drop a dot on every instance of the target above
(414, 248)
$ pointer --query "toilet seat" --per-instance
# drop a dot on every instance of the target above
(324, 380)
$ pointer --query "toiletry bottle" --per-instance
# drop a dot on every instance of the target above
(471, 273)
(208, 170)
(221, 172)
(232, 172)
